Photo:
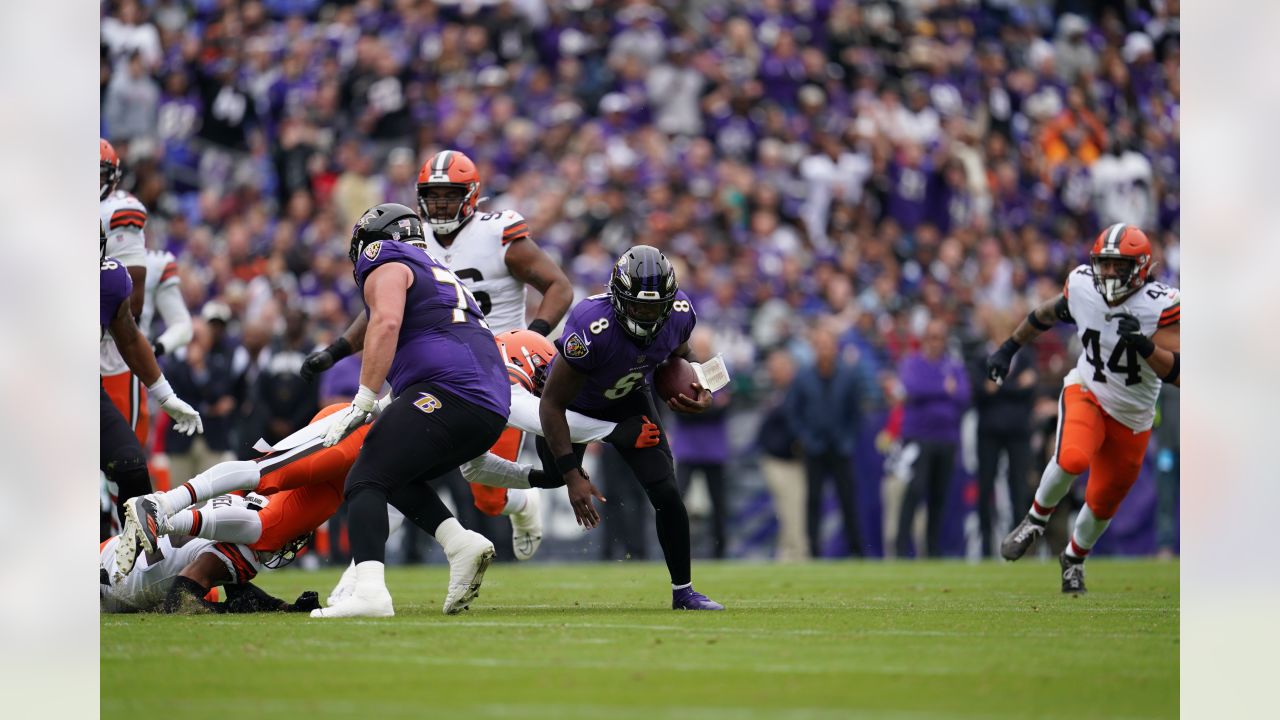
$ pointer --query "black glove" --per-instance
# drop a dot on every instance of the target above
(158, 348)
(540, 326)
(1131, 332)
(306, 602)
(318, 362)
(998, 362)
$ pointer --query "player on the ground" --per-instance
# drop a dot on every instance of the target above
(611, 344)
(162, 294)
(1128, 326)
(426, 335)
(120, 455)
(179, 570)
(124, 217)
(495, 257)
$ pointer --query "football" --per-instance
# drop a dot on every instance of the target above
(675, 376)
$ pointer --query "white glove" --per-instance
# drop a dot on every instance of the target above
(353, 417)
(185, 418)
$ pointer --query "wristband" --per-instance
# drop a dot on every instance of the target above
(1011, 346)
(540, 326)
(365, 399)
(339, 349)
(1173, 371)
(160, 390)
(565, 463)
(1036, 323)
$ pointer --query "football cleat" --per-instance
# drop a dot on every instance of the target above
(1017, 543)
(1072, 575)
(689, 599)
(345, 587)
(469, 556)
(376, 605)
(526, 526)
(143, 515)
(128, 547)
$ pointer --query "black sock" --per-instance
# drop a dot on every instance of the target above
(367, 524)
(540, 479)
(673, 528)
(421, 505)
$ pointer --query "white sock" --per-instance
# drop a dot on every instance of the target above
(225, 524)
(681, 587)
(516, 501)
(217, 480)
(370, 579)
(1089, 528)
(1055, 483)
(448, 530)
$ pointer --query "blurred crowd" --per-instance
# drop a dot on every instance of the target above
(870, 193)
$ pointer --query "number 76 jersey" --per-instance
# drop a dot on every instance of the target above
(1111, 369)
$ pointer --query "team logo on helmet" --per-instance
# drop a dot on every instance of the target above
(575, 347)
(372, 249)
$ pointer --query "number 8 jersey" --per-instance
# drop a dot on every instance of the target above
(1123, 382)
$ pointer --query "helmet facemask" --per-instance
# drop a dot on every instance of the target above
(108, 178)
(641, 317)
(446, 206)
(1115, 276)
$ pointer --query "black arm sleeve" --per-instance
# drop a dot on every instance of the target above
(1063, 311)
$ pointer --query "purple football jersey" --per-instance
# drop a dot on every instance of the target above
(115, 286)
(594, 343)
(442, 338)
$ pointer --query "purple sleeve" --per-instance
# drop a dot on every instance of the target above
(115, 288)
(576, 341)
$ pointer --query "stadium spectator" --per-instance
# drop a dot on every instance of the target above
(132, 104)
(1004, 426)
(700, 444)
(780, 461)
(935, 396)
(204, 379)
(824, 411)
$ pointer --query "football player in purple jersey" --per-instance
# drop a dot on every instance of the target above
(427, 337)
(608, 351)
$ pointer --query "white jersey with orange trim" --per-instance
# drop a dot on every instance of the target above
(1123, 382)
(124, 216)
(162, 276)
(478, 256)
(145, 586)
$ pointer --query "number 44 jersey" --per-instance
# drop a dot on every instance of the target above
(478, 256)
(1111, 369)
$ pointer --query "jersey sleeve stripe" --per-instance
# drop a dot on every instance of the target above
(170, 271)
(244, 570)
(127, 218)
(520, 227)
(1172, 309)
(1166, 320)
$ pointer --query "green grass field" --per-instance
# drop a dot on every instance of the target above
(822, 640)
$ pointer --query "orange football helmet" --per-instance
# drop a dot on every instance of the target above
(527, 355)
(1121, 260)
(448, 191)
(108, 169)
